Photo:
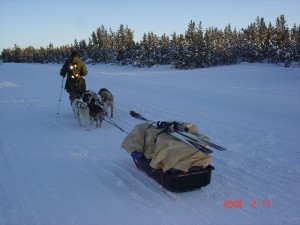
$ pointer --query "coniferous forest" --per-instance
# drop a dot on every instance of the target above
(196, 48)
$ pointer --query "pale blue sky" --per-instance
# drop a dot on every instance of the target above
(38, 22)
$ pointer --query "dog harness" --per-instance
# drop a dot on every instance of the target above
(81, 105)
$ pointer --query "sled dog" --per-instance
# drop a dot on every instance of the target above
(96, 112)
(81, 112)
(89, 95)
(108, 101)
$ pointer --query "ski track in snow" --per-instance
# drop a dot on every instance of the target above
(54, 172)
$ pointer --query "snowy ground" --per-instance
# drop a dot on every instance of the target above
(52, 172)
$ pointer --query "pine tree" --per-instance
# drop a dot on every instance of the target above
(121, 45)
(263, 39)
(200, 46)
(281, 37)
(295, 46)
(191, 46)
(164, 50)
(129, 45)
(17, 54)
(83, 48)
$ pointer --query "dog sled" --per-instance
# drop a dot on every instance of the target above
(175, 180)
(176, 166)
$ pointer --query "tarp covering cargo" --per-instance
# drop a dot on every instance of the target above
(163, 150)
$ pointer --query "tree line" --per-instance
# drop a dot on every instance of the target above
(196, 48)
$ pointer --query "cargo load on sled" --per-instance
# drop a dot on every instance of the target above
(177, 166)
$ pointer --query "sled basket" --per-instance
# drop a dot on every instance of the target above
(176, 180)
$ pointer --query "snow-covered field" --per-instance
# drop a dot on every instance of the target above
(52, 172)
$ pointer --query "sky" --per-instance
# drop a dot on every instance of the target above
(38, 23)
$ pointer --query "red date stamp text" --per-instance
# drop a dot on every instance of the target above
(238, 204)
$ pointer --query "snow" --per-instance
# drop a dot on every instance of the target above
(54, 172)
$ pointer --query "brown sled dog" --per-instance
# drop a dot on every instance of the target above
(108, 100)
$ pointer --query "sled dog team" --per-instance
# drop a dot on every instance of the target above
(90, 108)
(85, 103)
